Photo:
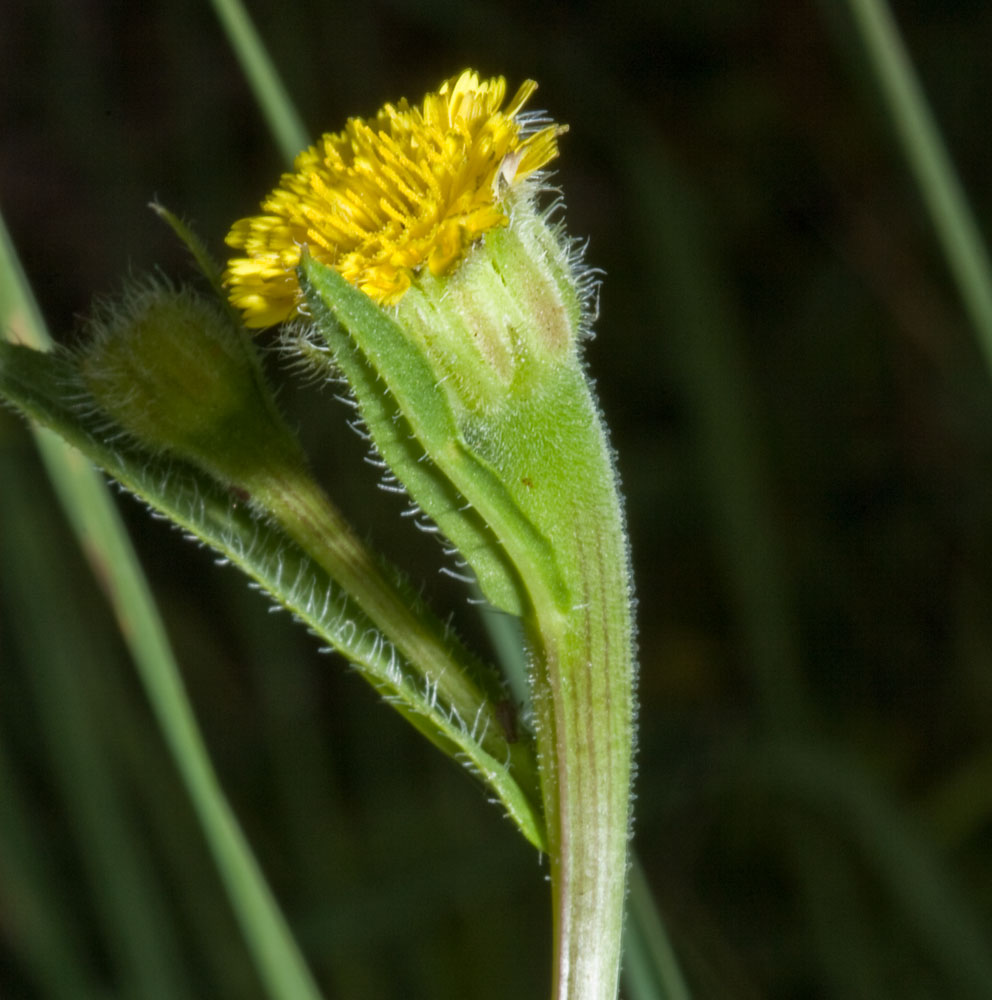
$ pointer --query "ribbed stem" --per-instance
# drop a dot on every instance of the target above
(581, 647)
(584, 703)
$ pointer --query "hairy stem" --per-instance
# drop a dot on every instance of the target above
(584, 704)
(450, 677)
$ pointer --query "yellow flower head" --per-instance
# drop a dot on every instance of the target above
(413, 186)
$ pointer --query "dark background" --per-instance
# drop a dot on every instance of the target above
(802, 422)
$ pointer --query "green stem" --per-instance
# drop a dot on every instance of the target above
(469, 692)
(584, 702)
(320, 530)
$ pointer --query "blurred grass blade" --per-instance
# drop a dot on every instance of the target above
(651, 970)
(949, 924)
(63, 665)
(277, 108)
(700, 322)
(37, 926)
(930, 163)
(20, 317)
(91, 512)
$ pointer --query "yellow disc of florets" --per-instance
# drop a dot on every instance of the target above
(412, 187)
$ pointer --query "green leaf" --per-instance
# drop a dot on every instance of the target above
(39, 384)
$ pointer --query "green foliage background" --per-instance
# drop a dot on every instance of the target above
(804, 431)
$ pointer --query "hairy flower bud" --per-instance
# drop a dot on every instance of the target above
(175, 372)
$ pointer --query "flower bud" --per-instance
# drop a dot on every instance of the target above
(175, 372)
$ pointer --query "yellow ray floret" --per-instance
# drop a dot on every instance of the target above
(409, 188)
